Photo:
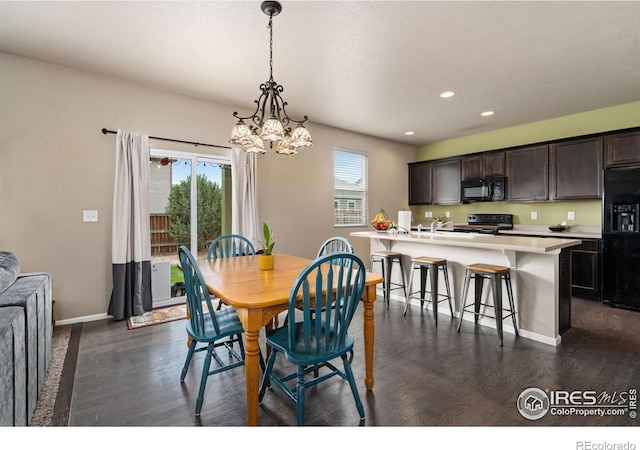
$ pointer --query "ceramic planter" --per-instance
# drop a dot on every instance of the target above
(266, 262)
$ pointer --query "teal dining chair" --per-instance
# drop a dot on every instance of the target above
(335, 245)
(229, 245)
(209, 328)
(321, 336)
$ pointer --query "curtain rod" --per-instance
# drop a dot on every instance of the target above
(105, 131)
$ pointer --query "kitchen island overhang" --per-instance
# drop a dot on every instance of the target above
(535, 271)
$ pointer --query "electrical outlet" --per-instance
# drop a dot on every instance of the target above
(89, 216)
(534, 215)
(571, 215)
(426, 214)
(448, 214)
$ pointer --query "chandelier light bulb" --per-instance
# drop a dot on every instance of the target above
(241, 134)
(284, 147)
(256, 145)
(272, 130)
(301, 137)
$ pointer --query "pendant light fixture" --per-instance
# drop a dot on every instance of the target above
(277, 126)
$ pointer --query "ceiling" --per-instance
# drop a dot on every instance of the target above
(374, 67)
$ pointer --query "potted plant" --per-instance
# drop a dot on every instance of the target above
(266, 258)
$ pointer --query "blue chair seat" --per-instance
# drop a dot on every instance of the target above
(279, 339)
(228, 325)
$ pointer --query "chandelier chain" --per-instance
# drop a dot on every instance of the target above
(270, 47)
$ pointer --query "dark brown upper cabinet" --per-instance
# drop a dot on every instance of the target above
(446, 182)
(483, 165)
(623, 149)
(528, 174)
(576, 169)
(420, 183)
(494, 164)
(472, 167)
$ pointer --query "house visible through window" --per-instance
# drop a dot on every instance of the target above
(351, 186)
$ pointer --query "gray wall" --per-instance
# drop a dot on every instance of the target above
(55, 163)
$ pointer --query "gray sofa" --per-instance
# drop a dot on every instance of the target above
(25, 339)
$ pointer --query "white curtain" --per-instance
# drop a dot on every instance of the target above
(246, 217)
(131, 238)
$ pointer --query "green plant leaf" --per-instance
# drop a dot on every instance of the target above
(269, 242)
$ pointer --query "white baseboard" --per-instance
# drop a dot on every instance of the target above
(156, 304)
(82, 319)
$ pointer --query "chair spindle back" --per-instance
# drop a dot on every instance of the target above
(229, 245)
(335, 245)
(336, 279)
(196, 292)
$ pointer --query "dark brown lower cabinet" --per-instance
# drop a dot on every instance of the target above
(579, 277)
(585, 269)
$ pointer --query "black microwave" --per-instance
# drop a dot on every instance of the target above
(483, 190)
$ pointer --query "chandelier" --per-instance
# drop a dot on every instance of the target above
(277, 127)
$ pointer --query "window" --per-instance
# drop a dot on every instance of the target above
(351, 188)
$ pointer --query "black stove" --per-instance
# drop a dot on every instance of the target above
(486, 223)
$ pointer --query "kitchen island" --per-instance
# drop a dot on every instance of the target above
(536, 272)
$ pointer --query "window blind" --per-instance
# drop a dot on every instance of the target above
(351, 188)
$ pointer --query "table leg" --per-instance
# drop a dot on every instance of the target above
(252, 375)
(252, 323)
(369, 298)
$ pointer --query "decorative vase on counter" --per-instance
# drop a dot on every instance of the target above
(265, 262)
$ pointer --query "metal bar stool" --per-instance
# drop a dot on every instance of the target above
(495, 274)
(387, 259)
(431, 265)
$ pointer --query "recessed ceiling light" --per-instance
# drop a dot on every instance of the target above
(447, 94)
(408, 133)
(487, 113)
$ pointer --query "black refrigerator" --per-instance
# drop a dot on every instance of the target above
(621, 238)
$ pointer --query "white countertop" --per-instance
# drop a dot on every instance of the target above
(528, 244)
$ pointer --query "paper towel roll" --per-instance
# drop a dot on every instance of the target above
(404, 221)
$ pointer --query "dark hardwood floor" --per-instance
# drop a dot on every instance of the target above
(424, 375)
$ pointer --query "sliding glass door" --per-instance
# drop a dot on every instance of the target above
(184, 213)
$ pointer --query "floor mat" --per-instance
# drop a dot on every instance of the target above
(156, 316)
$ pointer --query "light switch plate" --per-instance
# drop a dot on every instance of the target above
(447, 214)
(571, 215)
(90, 215)
(534, 215)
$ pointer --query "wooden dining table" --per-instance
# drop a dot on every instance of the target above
(260, 295)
